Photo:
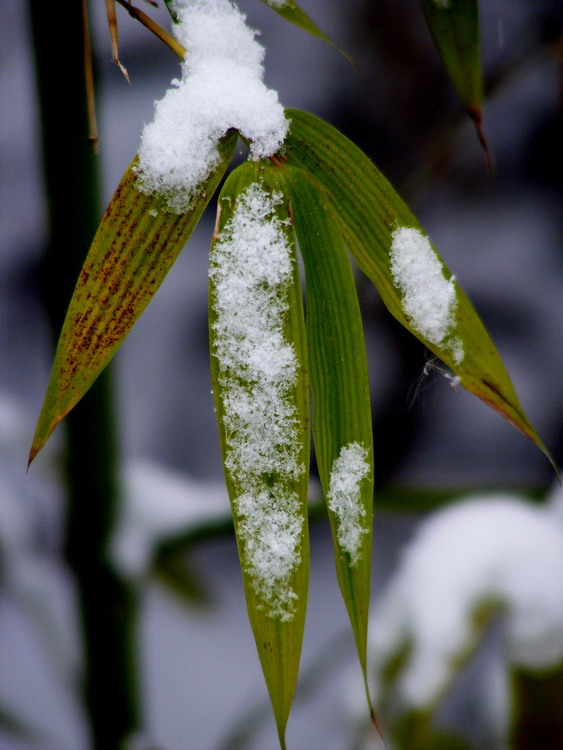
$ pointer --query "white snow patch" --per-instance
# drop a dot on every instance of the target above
(429, 299)
(495, 548)
(159, 503)
(349, 470)
(276, 3)
(251, 270)
(221, 88)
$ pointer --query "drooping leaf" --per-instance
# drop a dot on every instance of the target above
(370, 212)
(290, 11)
(134, 248)
(341, 400)
(260, 386)
(454, 27)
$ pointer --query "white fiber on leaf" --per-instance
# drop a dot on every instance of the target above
(349, 470)
(251, 270)
(429, 299)
(221, 88)
(482, 549)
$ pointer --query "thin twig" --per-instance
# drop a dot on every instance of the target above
(157, 30)
(89, 81)
(114, 33)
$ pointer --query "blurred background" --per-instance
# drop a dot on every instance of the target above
(201, 685)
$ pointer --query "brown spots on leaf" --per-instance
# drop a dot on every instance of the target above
(496, 390)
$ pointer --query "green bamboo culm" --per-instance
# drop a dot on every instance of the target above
(107, 603)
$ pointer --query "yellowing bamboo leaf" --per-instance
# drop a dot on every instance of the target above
(377, 224)
(134, 248)
(341, 401)
(259, 374)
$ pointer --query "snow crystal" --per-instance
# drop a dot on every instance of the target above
(349, 470)
(484, 549)
(221, 88)
(429, 299)
(251, 270)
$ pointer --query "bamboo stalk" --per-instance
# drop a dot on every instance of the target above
(107, 603)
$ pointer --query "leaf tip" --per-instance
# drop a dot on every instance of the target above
(32, 453)
(372, 714)
(476, 114)
(41, 436)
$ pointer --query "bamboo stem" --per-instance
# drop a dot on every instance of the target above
(107, 603)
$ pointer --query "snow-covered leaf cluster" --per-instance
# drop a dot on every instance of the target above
(497, 550)
(221, 88)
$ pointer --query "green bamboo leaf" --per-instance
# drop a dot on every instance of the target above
(134, 248)
(290, 11)
(341, 400)
(454, 27)
(373, 217)
(260, 386)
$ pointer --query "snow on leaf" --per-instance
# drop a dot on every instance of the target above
(484, 549)
(221, 88)
(251, 272)
(429, 299)
(349, 470)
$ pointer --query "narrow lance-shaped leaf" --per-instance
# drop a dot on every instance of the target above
(290, 11)
(389, 246)
(341, 400)
(259, 374)
(135, 246)
(454, 27)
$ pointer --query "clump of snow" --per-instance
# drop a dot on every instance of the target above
(159, 503)
(276, 3)
(221, 88)
(251, 271)
(349, 470)
(429, 299)
(483, 549)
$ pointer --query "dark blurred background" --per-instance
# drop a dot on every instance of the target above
(501, 237)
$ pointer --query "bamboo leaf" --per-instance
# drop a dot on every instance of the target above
(259, 374)
(370, 213)
(134, 248)
(290, 11)
(454, 27)
(341, 401)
